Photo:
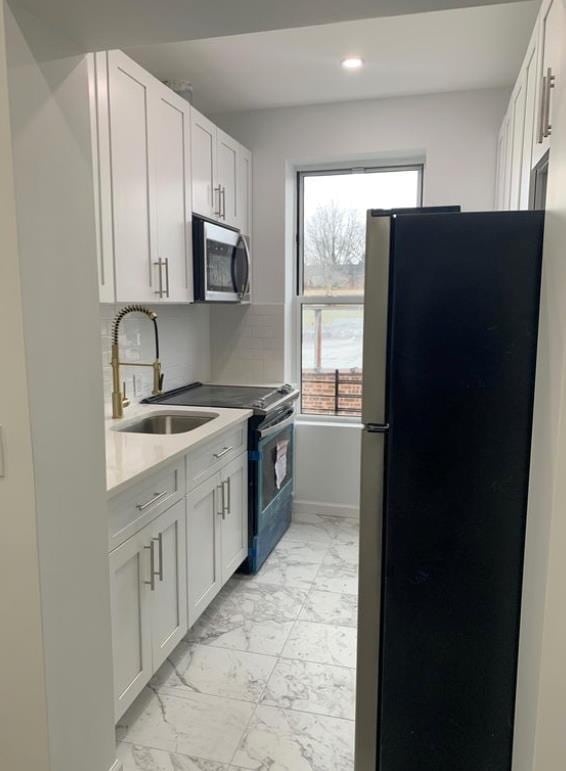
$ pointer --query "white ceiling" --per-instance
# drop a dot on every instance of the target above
(99, 24)
(451, 50)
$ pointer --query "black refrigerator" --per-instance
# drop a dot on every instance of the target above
(450, 337)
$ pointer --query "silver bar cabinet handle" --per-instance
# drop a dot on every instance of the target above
(151, 582)
(167, 277)
(223, 202)
(229, 481)
(218, 212)
(159, 542)
(542, 110)
(157, 497)
(550, 83)
(222, 512)
(225, 499)
(159, 264)
(223, 452)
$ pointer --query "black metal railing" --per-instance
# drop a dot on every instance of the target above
(341, 393)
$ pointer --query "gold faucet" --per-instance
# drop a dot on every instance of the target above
(119, 399)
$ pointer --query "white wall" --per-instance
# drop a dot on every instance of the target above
(184, 341)
(540, 729)
(57, 262)
(23, 711)
(454, 133)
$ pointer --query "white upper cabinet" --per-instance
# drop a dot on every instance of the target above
(550, 29)
(526, 130)
(171, 174)
(155, 161)
(221, 175)
(132, 191)
(142, 186)
(245, 191)
(530, 82)
(227, 176)
(206, 196)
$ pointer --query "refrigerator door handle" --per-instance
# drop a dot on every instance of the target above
(377, 428)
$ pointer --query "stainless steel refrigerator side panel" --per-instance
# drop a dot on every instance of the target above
(371, 526)
(378, 238)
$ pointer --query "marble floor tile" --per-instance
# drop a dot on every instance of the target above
(215, 671)
(299, 553)
(337, 574)
(308, 532)
(321, 643)
(326, 528)
(254, 617)
(330, 608)
(319, 688)
(135, 757)
(196, 725)
(284, 569)
(283, 740)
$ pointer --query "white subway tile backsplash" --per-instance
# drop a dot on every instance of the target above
(247, 343)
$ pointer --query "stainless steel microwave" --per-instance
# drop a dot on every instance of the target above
(221, 263)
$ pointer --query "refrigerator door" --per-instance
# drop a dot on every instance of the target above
(461, 366)
(378, 236)
(369, 620)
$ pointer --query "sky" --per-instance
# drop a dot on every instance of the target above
(369, 190)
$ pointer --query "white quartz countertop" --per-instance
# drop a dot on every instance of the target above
(130, 456)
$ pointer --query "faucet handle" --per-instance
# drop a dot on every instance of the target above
(125, 400)
(161, 379)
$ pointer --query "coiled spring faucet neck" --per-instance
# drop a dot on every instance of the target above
(119, 398)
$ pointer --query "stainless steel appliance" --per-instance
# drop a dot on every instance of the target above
(451, 316)
(221, 263)
(270, 454)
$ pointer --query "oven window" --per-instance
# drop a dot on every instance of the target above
(219, 266)
(277, 464)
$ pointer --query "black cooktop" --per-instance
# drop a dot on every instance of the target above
(259, 398)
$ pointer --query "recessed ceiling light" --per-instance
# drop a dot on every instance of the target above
(352, 63)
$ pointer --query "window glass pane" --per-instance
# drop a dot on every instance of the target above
(334, 216)
(332, 359)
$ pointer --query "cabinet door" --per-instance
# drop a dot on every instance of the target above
(244, 181)
(100, 139)
(133, 217)
(550, 42)
(131, 624)
(203, 541)
(234, 532)
(516, 142)
(530, 75)
(170, 160)
(169, 599)
(227, 177)
(203, 164)
(502, 191)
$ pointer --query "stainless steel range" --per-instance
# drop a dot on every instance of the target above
(270, 454)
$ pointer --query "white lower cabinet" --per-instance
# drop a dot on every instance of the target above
(164, 575)
(217, 532)
(149, 602)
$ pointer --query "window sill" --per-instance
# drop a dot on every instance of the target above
(332, 421)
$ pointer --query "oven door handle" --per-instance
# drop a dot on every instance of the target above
(263, 433)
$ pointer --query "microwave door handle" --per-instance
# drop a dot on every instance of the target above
(243, 290)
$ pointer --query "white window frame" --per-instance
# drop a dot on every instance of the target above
(341, 299)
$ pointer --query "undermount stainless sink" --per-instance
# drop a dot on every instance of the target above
(167, 423)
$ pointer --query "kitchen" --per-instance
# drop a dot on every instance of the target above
(449, 129)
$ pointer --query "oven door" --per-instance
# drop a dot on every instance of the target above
(220, 247)
(276, 447)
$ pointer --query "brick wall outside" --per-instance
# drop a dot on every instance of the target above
(332, 392)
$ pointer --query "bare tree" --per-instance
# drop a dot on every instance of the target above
(334, 244)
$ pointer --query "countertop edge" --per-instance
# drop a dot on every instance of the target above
(192, 443)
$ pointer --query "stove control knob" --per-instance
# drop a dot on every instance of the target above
(286, 389)
(258, 403)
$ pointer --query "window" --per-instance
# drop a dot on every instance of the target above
(330, 286)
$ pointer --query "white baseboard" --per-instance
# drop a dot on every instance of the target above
(116, 766)
(331, 509)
